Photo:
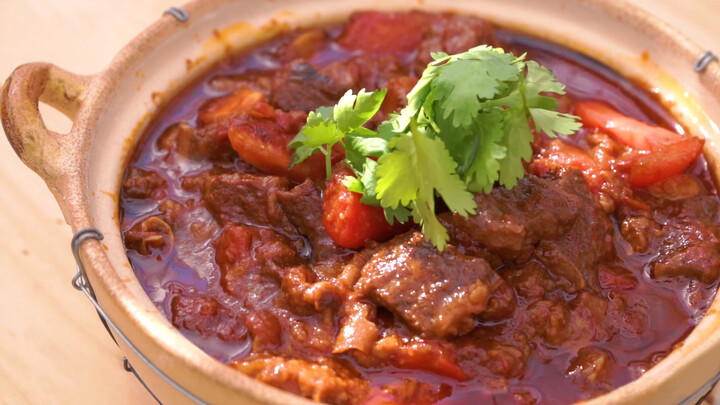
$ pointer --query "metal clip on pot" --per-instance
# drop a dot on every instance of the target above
(80, 283)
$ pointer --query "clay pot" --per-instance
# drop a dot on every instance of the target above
(109, 110)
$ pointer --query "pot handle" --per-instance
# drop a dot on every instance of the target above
(40, 148)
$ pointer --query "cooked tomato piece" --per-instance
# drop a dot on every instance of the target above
(241, 100)
(419, 354)
(628, 131)
(649, 168)
(260, 137)
(385, 33)
(561, 155)
(349, 222)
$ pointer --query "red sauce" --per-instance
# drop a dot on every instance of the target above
(646, 317)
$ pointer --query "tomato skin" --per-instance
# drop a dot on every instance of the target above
(260, 136)
(628, 131)
(385, 33)
(349, 222)
(241, 100)
(563, 155)
(665, 162)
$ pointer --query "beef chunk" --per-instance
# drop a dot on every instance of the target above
(251, 262)
(178, 138)
(301, 87)
(303, 207)
(327, 380)
(213, 141)
(144, 184)
(581, 320)
(637, 231)
(207, 316)
(247, 199)
(592, 369)
(689, 249)
(304, 295)
(434, 292)
(511, 222)
(554, 218)
(532, 281)
(264, 329)
(576, 254)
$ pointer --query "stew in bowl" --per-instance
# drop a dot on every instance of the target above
(582, 273)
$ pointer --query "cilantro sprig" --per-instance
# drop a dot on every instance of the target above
(466, 127)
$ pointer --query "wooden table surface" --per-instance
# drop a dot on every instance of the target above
(53, 349)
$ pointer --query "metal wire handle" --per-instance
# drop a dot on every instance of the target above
(80, 283)
(704, 60)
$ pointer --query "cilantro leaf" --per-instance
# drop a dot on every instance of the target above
(417, 167)
(516, 139)
(485, 165)
(554, 123)
(327, 126)
(353, 111)
(465, 129)
(318, 131)
(460, 85)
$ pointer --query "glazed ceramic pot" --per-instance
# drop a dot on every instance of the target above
(110, 110)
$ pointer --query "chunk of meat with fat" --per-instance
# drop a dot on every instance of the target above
(213, 141)
(178, 138)
(303, 294)
(587, 244)
(685, 246)
(326, 380)
(143, 184)
(435, 292)
(251, 262)
(689, 249)
(303, 207)
(556, 219)
(207, 316)
(511, 222)
(592, 369)
(302, 87)
(581, 320)
(264, 328)
(248, 199)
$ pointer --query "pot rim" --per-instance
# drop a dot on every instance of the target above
(76, 203)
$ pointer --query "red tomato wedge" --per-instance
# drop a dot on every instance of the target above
(628, 131)
(665, 162)
(349, 222)
(241, 100)
(385, 33)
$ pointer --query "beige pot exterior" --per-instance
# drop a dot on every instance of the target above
(83, 168)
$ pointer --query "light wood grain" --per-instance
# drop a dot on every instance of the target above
(53, 349)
